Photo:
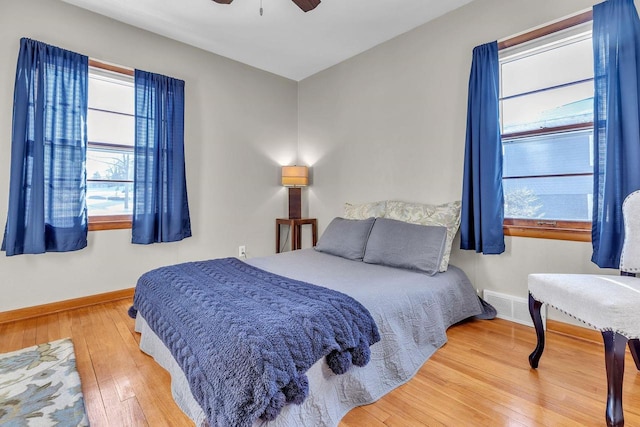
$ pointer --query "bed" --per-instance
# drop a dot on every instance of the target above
(412, 311)
(393, 269)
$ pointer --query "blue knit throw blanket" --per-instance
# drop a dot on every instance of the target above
(245, 337)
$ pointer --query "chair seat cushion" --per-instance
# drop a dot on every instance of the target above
(608, 303)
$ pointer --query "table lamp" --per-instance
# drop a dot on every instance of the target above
(295, 177)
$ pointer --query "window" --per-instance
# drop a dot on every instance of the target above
(546, 101)
(111, 134)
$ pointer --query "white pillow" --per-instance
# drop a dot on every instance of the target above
(446, 215)
(365, 210)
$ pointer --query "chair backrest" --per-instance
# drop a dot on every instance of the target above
(630, 257)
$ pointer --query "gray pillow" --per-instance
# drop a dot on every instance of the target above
(346, 238)
(403, 245)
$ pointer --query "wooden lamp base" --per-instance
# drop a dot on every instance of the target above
(295, 202)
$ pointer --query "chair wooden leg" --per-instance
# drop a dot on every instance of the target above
(634, 348)
(614, 348)
(534, 310)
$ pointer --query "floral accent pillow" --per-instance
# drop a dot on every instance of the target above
(447, 215)
(365, 210)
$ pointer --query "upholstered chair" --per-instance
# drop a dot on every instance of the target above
(606, 303)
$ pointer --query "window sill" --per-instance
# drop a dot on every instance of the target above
(109, 222)
(557, 230)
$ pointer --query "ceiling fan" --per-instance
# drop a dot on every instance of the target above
(305, 5)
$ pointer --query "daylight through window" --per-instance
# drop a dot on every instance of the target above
(111, 133)
(546, 101)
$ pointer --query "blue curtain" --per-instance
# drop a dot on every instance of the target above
(47, 210)
(160, 206)
(616, 47)
(482, 198)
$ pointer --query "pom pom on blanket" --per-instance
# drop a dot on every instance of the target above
(339, 361)
(361, 354)
(132, 312)
(297, 390)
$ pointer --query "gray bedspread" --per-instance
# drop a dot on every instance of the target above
(412, 311)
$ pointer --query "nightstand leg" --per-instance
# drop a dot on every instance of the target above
(294, 237)
(314, 232)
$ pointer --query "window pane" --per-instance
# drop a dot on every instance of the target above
(110, 128)
(106, 198)
(106, 164)
(110, 121)
(549, 197)
(557, 198)
(560, 65)
(111, 94)
(555, 154)
(557, 107)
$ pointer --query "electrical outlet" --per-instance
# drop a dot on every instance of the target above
(242, 251)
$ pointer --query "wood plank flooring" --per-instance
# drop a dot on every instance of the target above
(481, 377)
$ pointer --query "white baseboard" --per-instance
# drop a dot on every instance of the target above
(515, 309)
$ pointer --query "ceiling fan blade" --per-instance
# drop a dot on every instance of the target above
(305, 5)
(223, 1)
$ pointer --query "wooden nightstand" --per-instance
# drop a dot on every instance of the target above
(295, 229)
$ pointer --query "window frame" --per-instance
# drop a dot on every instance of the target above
(110, 222)
(548, 229)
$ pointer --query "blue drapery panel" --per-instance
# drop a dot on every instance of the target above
(47, 210)
(482, 197)
(160, 206)
(616, 128)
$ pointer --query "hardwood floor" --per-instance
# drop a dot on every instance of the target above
(481, 377)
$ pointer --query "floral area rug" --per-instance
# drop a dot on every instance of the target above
(40, 386)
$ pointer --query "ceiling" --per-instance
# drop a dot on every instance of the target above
(284, 40)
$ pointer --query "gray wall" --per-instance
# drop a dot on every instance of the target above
(390, 124)
(240, 126)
